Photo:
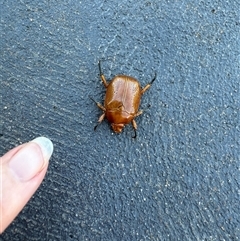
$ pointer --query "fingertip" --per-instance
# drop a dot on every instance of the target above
(31, 159)
(22, 170)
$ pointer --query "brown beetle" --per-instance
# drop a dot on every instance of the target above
(122, 101)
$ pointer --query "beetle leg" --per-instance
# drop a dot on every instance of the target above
(134, 124)
(139, 113)
(101, 75)
(98, 104)
(101, 107)
(148, 85)
(101, 118)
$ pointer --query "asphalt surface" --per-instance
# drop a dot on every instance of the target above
(179, 179)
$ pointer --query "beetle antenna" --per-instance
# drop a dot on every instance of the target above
(155, 76)
(100, 68)
(93, 100)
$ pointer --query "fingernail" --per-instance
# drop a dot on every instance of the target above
(31, 159)
(46, 147)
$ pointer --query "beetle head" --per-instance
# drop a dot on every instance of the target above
(117, 127)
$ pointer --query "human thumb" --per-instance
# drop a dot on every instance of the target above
(22, 170)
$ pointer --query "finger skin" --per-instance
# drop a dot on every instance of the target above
(14, 193)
